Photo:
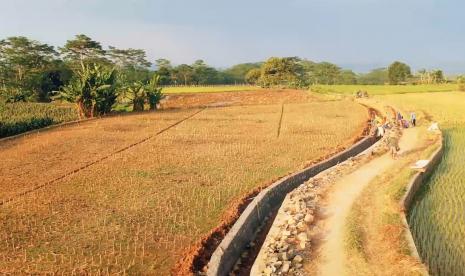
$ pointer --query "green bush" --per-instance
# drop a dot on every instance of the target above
(17, 118)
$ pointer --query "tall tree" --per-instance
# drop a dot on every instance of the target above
(238, 72)
(23, 61)
(325, 73)
(164, 69)
(253, 76)
(183, 74)
(83, 49)
(52, 79)
(347, 77)
(438, 76)
(131, 63)
(204, 74)
(128, 58)
(376, 76)
(398, 72)
(287, 71)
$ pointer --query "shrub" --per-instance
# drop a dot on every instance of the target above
(138, 93)
(461, 83)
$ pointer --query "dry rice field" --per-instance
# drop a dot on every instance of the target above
(129, 194)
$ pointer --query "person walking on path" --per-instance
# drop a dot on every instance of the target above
(399, 118)
(393, 143)
(413, 118)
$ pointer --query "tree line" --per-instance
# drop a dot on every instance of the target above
(296, 72)
(35, 71)
(83, 72)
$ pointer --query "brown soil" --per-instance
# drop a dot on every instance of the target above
(197, 256)
(259, 97)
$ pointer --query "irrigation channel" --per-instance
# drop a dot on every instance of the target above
(437, 214)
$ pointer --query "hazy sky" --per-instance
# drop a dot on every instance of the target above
(359, 34)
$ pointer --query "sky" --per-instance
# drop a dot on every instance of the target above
(355, 34)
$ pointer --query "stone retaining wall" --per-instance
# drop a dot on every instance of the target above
(412, 188)
(266, 202)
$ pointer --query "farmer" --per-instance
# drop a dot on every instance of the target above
(380, 131)
(393, 143)
(399, 118)
(413, 118)
(405, 123)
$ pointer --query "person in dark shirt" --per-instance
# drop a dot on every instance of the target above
(413, 119)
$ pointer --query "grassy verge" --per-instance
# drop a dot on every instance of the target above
(383, 89)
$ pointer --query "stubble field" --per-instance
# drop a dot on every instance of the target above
(130, 194)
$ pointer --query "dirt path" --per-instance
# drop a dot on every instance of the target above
(329, 247)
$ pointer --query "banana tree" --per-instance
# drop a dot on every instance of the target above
(154, 94)
(93, 90)
(136, 94)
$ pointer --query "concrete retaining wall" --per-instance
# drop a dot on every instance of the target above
(267, 201)
(412, 188)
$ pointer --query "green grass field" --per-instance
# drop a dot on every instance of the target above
(384, 89)
(208, 89)
(437, 217)
(21, 117)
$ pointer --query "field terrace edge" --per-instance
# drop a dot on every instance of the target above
(414, 185)
(268, 200)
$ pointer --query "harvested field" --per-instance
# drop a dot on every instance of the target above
(208, 88)
(139, 208)
(63, 150)
(257, 97)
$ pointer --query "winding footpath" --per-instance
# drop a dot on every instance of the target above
(328, 248)
(307, 235)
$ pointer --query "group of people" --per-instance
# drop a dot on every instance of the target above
(361, 94)
(395, 126)
(404, 123)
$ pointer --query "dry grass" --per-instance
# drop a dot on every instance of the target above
(208, 89)
(257, 97)
(31, 161)
(136, 211)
